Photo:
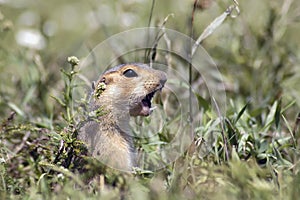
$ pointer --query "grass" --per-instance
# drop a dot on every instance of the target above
(251, 152)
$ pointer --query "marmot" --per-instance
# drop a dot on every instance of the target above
(120, 92)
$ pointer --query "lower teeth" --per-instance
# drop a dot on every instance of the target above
(153, 108)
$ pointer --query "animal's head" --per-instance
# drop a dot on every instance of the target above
(129, 87)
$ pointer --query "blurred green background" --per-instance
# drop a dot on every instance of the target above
(257, 53)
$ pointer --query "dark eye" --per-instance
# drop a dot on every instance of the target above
(130, 73)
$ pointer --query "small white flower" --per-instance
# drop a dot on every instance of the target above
(31, 38)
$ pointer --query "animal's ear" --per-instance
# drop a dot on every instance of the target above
(103, 80)
(106, 78)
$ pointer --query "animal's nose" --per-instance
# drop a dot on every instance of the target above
(163, 81)
(163, 78)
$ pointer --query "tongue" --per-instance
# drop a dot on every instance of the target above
(145, 111)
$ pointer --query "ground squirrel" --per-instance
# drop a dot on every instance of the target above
(123, 91)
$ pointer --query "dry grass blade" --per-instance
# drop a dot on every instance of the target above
(215, 24)
(161, 33)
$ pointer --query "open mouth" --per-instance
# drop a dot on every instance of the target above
(145, 106)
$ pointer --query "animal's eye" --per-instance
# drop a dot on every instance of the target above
(130, 73)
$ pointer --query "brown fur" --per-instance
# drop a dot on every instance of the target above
(108, 138)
